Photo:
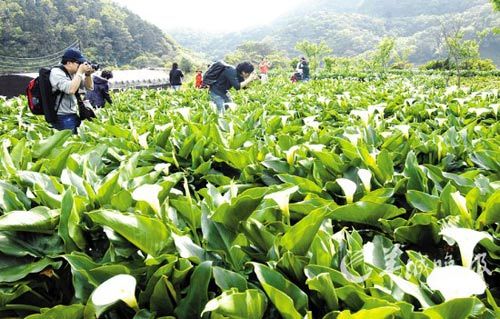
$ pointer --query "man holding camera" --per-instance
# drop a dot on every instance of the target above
(231, 77)
(73, 74)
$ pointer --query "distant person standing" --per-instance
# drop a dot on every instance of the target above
(100, 95)
(264, 66)
(303, 69)
(198, 80)
(175, 77)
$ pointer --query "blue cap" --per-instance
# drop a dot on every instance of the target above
(74, 54)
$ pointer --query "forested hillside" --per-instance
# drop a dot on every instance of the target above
(356, 27)
(107, 33)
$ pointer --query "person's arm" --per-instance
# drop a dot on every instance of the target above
(251, 78)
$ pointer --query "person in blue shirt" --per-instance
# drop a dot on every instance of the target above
(231, 77)
(100, 95)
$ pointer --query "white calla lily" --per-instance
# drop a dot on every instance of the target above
(365, 176)
(119, 287)
(149, 194)
(466, 239)
(282, 198)
(456, 282)
(348, 187)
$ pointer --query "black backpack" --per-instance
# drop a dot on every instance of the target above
(41, 99)
(214, 71)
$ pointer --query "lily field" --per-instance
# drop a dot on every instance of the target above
(334, 198)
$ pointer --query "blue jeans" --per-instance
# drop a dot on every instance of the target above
(67, 122)
(219, 101)
(176, 87)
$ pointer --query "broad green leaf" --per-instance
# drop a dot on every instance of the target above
(12, 198)
(148, 234)
(240, 208)
(38, 220)
(422, 201)
(250, 304)
(69, 224)
(299, 237)
(290, 301)
(460, 308)
(15, 273)
(227, 279)
(305, 185)
(191, 306)
(108, 188)
(365, 213)
(324, 286)
(74, 311)
(491, 212)
(42, 148)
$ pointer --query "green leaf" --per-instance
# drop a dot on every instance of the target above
(69, 224)
(37, 220)
(250, 304)
(227, 279)
(148, 234)
(365, 213)
(8, 294)
(299, 237)
(305, 185)
(422, 201)
(491, 212)
(15, 273)
(290, 301)
(74, 311)
(191, 306)
(417, 180)
(108, 188)
(42, 148)
(460, 308)
(324, 286)
(240, 208)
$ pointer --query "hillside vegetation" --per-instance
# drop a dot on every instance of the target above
(107, 33)
(356, 27)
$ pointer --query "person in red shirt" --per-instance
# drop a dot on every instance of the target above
(198, 80)
(264, 66)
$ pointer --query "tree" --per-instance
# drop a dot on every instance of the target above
(186, 65)
(383, 54)
(458, 49)
(313, 52)
(496, 4)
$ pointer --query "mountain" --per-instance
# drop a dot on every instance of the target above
(353, 27)
(37, 30)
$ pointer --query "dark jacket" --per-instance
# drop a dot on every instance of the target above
(228, 79)
(100, 94)
(175, 77)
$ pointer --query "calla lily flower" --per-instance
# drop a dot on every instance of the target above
(466, 239)
(348, 187)
(365, 176)
(119, 287)
(456, 282)
(149, 194)
(282, 198)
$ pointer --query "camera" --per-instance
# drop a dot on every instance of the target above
(93, 65)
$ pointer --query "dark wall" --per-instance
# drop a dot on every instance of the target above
(13, 85)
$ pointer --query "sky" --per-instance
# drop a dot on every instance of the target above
(213, 16)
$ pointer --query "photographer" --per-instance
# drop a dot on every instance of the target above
(73, 74)
(231, 77)
(100, 95)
